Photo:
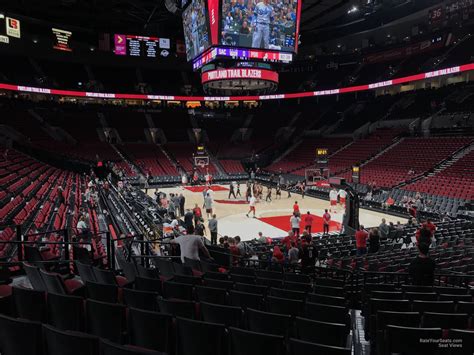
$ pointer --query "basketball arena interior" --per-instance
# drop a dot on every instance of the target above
(236, 177)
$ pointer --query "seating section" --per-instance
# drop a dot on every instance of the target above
(304, 154)
(232, 166)
(29, 194)
(178, 313)
(420, 155)
(456, 181)
(150, 159)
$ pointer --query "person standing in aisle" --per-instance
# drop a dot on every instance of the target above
(326, 220)
(212, 225)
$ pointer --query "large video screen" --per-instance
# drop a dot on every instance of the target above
(265, 24)
(196, 28)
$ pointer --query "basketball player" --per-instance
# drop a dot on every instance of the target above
(263, 16)
(231, 190)
(252, 204)
(278, 191)
(269, 194)
(333, 198)
(238, 190)
(342, 196)
(326, 220)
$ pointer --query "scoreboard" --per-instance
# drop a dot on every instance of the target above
(9, 27)
(322, 156)
(141, 46)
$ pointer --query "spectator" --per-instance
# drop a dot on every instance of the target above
(288, 239)
(295, 224)
(430, 226)
(171, 208)
(82, 228)
(277, 256)
(208, 204)
(189, 246)
(422, 268)
(374, 239)
(261, 239)
(293, 254)
(199, 229)
(234, 250)
(423, 236)
(389, 203)
(308, 222)
(361, 241)
(188, 218)
(243, 247)
(61, 198)
(212, 224)
(326, 220)
(384, 229)
(182, 201)
(197, 213)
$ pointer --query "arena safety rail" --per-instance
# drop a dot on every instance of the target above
(297, 95)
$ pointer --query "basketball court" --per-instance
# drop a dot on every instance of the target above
(272, 218)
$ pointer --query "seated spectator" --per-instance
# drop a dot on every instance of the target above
(288, 239)
(422, 268)
(293, 254)
(389, 203)
(234, 250)
(261, 239)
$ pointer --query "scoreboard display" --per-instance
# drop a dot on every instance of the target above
(141, 46)
(322, 156)
(62, 39)
(9, 27)
(356, 174)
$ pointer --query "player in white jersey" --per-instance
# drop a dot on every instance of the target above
(333, 198)
(262, 18)
(342, 196)
(252, 203)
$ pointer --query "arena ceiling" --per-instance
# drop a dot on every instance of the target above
(148, 15)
